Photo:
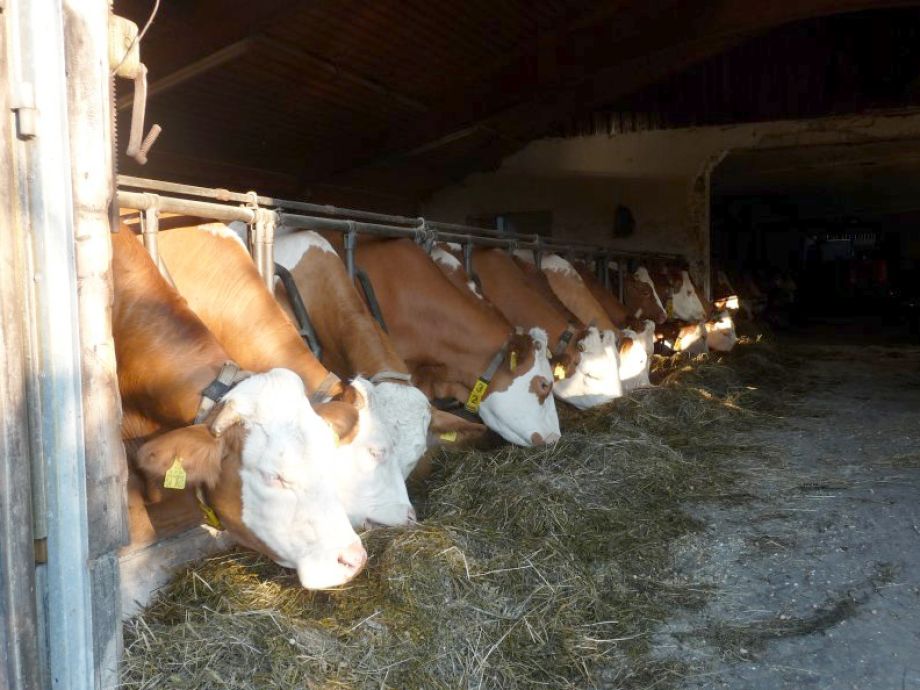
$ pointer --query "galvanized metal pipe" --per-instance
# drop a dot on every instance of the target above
(204, 209)
(150, 228)
(46, 199)
(351, 241)
(367, 219)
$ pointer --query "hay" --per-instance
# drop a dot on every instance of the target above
(533, 567)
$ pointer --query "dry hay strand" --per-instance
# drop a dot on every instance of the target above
(544, 567)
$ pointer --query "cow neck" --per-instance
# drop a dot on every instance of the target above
(435, 326)
(166, 355)
(615, 309)
(576, 297)
(506, 285)
(353, 342)
(230, 297)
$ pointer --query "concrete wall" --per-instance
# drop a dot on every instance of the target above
(662, 176)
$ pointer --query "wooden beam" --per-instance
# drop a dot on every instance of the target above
(611, 53)
(306, 58)
(195, 69)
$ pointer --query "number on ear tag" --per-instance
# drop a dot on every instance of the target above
(175, 475)
(559, 372)
(475, 399)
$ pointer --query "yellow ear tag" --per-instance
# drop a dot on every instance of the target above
(669, 308)
(513, 360)
(475, 399)
(175, 475)
(335, 437)
(449, 436)
(559, 372)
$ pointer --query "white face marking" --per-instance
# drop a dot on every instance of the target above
(236, 230)
(647, 336)
(635, 364)
(289, 498)
(686, 303)
(406, 412)
(445, 258)
(453, 246)
(367, 471)
(642, 276)
(516, 413)
(290, 248)
(693, 341)
(720, 333)
(554, 262)
(597, 378)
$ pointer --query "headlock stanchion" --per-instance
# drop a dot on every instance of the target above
(265, 215)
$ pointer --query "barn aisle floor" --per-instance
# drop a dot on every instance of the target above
(815, 562)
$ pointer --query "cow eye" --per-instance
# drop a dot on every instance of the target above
(581, 346)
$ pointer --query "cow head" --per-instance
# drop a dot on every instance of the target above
(634, 360)
(518, 404)
(686, 302)
(641, 299)
(369, 469)
(720, 333)
(264, 462)
(596, 376)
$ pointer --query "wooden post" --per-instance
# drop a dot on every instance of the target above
(90, 122)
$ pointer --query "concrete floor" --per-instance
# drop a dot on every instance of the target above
(815, 562)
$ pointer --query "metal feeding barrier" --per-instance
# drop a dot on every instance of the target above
(267, 215)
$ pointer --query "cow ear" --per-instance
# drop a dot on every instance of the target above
(341, 417)
(450, 430)
(192, 455)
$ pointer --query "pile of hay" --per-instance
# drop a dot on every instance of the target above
(533, 568)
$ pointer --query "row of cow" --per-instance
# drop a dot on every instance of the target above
(229, 415)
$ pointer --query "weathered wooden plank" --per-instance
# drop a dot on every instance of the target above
(90, 122)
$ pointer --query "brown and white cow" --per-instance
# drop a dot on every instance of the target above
(213, 271)
(354, 344)
(686, 303)
(260, 459)
(449, 337)
(575, 291)
(588, 363)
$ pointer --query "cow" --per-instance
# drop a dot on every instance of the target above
(258, 460)
(354, 344)
(459, 347)
(686, 303)
(574, 292)
(585, 361)
(213, 271)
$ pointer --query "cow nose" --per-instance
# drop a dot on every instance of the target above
(411, 517)
(353, 557)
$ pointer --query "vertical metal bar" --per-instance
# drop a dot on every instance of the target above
(602, 269)
(46, 197)
(19, 620)
(537, 253)
(351, 241)
(621, 278)
(151, 228)
(265, 239)
(255, 243)
(468, 258)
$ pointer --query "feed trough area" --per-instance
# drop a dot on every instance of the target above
(720, 519)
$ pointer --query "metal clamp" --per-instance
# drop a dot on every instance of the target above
(150, 227)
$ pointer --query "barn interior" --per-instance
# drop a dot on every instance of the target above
(779, 145)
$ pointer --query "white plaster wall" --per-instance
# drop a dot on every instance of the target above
(662, 176)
